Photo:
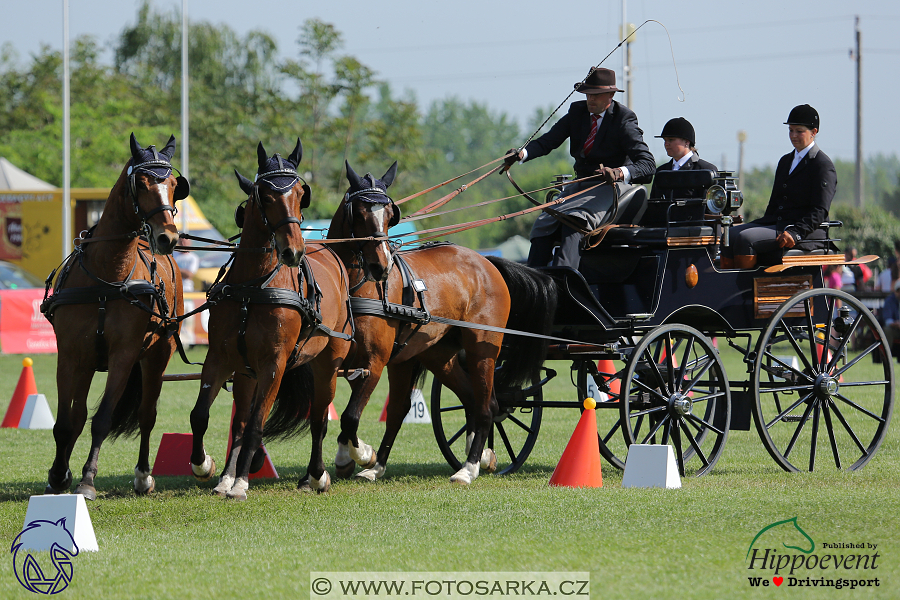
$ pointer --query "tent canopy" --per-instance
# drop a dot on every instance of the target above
(14, 178)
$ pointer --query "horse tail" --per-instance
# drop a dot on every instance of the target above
(533, 307)
(126, 417)
(289, 416)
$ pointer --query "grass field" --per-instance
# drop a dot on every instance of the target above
(184, 542)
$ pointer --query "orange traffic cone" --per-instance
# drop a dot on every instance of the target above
(383, 416)
(173, 457)
(607, 366)
(268, 469)
(332, 413)
(24, 388)
(579, 465)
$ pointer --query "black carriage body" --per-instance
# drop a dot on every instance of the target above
(624, 290)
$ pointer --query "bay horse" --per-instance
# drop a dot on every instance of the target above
(114, 308)
(280, 323)
(442, 280)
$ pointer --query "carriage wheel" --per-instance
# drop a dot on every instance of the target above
(612, 443)
(675, 391)
(513, 432)
(849, 388)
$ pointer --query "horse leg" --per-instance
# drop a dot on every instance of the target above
(243, 450)
(153, 365)
(211, 379)
(243, 391)
(325, 378)
(400, 377)
(117, 380)
(353, 451)
(480, 417)
(73, 385)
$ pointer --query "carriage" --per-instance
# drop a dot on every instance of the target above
(647, 319)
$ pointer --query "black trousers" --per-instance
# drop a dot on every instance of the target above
(567, 255)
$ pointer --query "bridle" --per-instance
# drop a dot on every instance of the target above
(267, 178)
(369, 195)
(147, 168)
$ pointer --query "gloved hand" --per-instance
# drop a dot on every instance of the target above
(786, 240)
(513, 156)
(611, 174)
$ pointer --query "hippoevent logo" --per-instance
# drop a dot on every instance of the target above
(44, 573)
(782, 553)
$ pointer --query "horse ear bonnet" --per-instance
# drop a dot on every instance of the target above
(307, 197)
(395, 218)
(182, 187)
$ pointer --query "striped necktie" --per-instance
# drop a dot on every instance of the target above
(589, 142)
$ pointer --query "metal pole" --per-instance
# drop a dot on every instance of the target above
(859, 150)
(742, 137)
(184, 87)
(66, 174)
(628, 77)
(184, 102)
(625, 60)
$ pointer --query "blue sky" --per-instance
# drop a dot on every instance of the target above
(742, 65)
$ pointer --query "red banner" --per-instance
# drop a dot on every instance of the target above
(23, 329)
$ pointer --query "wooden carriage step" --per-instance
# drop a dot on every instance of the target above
(802, 260)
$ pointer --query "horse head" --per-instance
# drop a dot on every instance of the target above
(370, 212)
(276, 202)
(154, 188)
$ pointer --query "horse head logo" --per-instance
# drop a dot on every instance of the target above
(41, 536)
(787, 532)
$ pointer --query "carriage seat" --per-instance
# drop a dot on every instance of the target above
(632, 206)
(680, 209)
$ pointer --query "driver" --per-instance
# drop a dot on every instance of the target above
(805, 183)
(604, 139)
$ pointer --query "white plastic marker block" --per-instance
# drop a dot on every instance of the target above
(418, 410)
(36, 414)
(70, 507)
(788, 360)
(651, 465)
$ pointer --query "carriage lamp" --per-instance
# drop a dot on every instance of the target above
(716, 199)
(843, 321)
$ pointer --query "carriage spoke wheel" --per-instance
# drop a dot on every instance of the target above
(589, 380)
(818, 387)
(513, 431)
(675, 392)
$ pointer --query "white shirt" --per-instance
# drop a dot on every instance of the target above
(626, 176)
(798, 156)
(677, 164)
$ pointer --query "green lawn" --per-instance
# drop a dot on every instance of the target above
(184, 542)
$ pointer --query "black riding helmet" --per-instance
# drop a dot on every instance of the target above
(679, 128)
(804, 115)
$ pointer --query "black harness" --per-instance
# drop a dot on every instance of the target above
(308, 304)
(129, 290)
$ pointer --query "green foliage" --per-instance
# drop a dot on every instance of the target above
(242, 93)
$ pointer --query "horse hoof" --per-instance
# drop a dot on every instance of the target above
(303, 484)
(320, 485)
(488, 460)
(240, 495)
(224, 485)
(466, 475)
(205, 471)
(88, 491)
(376, 472)
(344, 471)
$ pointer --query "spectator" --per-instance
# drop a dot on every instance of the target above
(833, 277)
(862, 274)
(188, 262)
(885, 279)
(890, 316)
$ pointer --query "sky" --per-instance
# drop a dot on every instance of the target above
(742, 66)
